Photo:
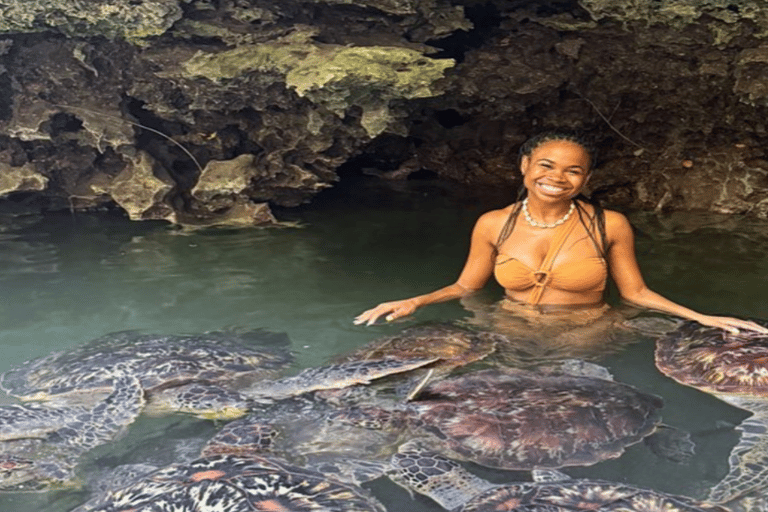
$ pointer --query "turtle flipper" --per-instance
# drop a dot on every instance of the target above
(435, 476)
(32, 420)
(107, 419)
(335, 376)
(748, 463)
(671, 443)
(109, 480)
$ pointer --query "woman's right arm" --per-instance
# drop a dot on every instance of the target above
(477, 270)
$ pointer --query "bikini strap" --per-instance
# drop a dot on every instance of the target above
(542, 276)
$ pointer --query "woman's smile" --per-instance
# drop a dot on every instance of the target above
(550, 189)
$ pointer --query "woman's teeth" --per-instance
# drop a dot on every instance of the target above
(551, 189)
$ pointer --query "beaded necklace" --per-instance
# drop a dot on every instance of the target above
(537, 224)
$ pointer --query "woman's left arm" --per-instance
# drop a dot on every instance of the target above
(626, 273)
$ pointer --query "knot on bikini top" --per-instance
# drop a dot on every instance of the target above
(588, 274)
(541, 277)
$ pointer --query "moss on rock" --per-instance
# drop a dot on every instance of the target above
(114, 19)
(681, 12)
(334, 76)
(139, 191)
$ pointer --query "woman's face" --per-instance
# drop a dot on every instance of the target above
(555, 170)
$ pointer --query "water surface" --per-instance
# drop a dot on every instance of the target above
(69, 278)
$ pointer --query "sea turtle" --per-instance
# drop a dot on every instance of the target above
(734, 368)
(453, 345)
(41, 443)
(213, 375)
(195, 373)
(519, 419)
(456, 489)
(509, 419)
(450, 345)
(234, 472)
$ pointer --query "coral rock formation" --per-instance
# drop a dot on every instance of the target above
(200, 112)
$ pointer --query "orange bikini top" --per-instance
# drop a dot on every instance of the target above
(585, 275)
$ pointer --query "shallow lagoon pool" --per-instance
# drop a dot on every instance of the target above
(69, 278)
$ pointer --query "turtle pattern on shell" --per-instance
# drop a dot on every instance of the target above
(500, 419)
(214, 376)
(234, 472)
(158, 360)
(456, 489)
(233, 483)
(734, 368)
(42, 443)
(521, 419)
(196, 373)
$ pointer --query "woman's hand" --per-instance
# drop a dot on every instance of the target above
(732, 325)
(393, 310)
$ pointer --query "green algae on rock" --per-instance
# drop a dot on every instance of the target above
(114, 19)
(336, 77)
(679, 12)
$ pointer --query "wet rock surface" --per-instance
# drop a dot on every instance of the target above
(200, 112)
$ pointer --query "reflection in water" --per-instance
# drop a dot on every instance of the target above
(534, 337)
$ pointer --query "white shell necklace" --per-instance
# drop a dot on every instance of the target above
(536, 224)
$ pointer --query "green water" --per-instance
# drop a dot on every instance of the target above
(68, 278)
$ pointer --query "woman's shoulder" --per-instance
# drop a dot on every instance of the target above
(615, 217)
(491, 222)
(496, 217)
(616, 224)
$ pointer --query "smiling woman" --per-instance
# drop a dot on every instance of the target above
(555, 265)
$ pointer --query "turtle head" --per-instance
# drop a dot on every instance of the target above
(26, 474)
(242, 437)
(201, 400)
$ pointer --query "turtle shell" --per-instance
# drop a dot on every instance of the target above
(230, 482)
(41, 444)
(714, 360)
(157, 360)
(734, 368)
(524, 420)
(455, 488)
(502, 419)
(586, 495)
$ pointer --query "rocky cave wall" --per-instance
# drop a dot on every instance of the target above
(206, 112)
